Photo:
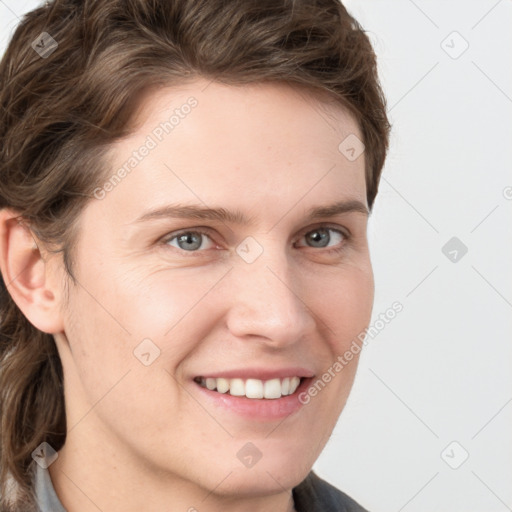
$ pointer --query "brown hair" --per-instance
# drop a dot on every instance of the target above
(62, 106)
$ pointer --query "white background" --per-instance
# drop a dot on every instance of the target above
(441, 370)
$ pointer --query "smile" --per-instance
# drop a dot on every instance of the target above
(251, 388)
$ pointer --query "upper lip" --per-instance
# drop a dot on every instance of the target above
(259, 373)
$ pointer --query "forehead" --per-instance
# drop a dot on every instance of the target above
(275, 100)
(265, 143)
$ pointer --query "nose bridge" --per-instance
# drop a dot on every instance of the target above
(266, 301)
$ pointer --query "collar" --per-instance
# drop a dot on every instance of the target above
(46, 497)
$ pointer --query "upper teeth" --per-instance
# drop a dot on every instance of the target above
(252, 388)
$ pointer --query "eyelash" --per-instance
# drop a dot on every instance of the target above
(202, 231)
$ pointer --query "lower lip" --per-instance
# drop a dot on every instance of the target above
(257, 409)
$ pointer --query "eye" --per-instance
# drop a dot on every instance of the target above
(320, 238)
(194, 241)
(190, 241)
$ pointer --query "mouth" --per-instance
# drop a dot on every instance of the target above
(256, 393)
(254, 389)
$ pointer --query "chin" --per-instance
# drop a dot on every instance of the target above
(267, 478)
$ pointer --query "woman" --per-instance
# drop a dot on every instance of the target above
(185, 188)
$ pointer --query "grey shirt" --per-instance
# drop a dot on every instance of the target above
(311, 495)
(47, 499)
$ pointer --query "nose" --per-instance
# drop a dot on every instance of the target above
(269, 302)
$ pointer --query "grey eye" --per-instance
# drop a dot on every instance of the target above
(321, 237)
(318, 237)
(188, 240)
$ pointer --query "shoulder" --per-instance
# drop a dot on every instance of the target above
(316, 495)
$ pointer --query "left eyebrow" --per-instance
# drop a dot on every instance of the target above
(195, 211)
(352, 205)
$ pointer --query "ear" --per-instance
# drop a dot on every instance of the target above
(29, 276)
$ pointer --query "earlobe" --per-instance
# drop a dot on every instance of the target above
(26, 274)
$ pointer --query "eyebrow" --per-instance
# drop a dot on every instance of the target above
(237, 217)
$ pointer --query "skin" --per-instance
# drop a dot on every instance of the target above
(143, 437)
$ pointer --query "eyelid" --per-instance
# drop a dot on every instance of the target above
(203, 230)
(336, 227)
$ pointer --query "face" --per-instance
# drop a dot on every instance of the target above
(257, 293)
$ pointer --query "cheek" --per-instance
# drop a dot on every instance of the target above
(344, 307)
(144, 303)
(345, 303)
(105, 375)
(119, 306)
(177, 310)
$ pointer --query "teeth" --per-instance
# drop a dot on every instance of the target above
(252, 388)
(285, 386)
(272, 388)
(222, 385)
(236, 387)
(294, 384)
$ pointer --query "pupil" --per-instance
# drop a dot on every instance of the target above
(320, 235)
(189, 239)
